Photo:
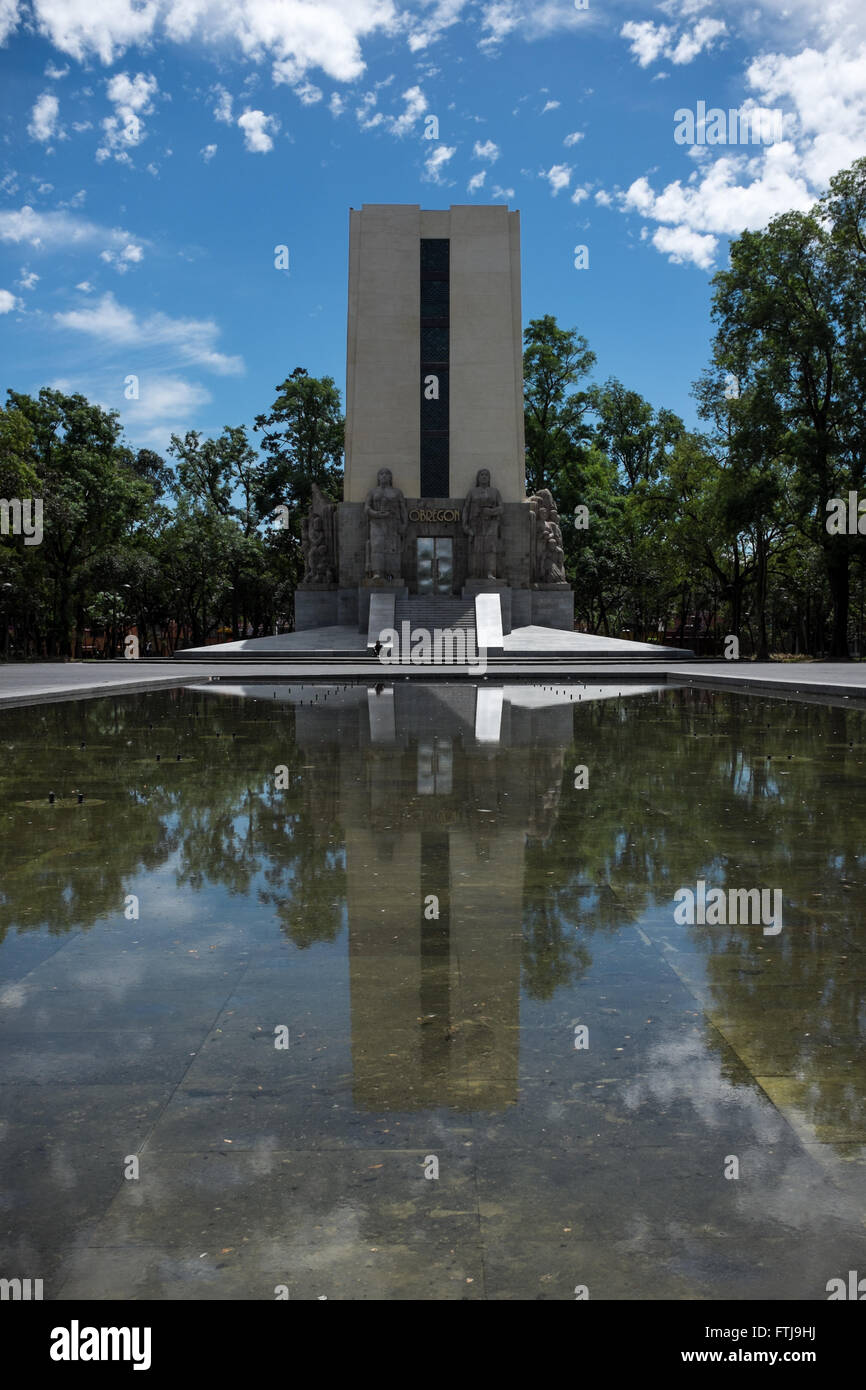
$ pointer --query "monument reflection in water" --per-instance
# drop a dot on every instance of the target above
(436, 827)
(416, 882)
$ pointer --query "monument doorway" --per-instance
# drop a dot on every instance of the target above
(435, 571)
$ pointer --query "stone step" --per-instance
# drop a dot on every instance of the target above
(436, 613)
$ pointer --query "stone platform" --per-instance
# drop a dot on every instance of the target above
(523, 644)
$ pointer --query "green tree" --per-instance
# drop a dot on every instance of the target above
(555, 361)
(302, 440)
(788, 321)
(92, 495)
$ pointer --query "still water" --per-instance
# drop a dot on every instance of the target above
(380, 994)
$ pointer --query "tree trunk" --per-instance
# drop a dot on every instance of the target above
(837, 575)
(763, 652)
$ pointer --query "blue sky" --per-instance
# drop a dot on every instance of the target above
(153, 155)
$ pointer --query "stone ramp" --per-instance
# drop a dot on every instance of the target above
(524, 649)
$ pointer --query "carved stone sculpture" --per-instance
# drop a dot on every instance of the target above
(387, 515)
(318, 541)
(480, 519)
(548, 558)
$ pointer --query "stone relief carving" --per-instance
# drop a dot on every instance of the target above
(548, 559)
(318, 541)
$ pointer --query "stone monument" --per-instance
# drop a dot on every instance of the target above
(434, 398)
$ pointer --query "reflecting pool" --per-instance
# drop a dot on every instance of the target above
(381, 993)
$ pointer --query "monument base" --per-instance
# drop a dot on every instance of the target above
(552, 606)
(316, 608)
(521, 608)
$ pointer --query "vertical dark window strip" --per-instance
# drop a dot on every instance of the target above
(435, 287)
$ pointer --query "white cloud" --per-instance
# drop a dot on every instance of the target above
(8, 302)
(573, 138)
(99, 28)
(43, 124)
(506, 193)
(132, 99)
(416, 105)
(499, 19)
(167, 397)
(436, 161)
(55, 230)
(167, 403)
(124, 258)
(579, 195)
(223, 109)
(10, 13)
(702, 36)
(444, 14)
(308, 93)
(55, 73)
(336, 105)
(558, 176)
(297, 37)
(649, 41)
(85, 287)
(488, 151)
(532, 19)
(132, 94)
(828, 94)
(28, 279)
(476, 181)
(258, 130)
(208, 153)
(550, 106)
(367, 117)
(191, 339)
(682, 245)
(823, 97)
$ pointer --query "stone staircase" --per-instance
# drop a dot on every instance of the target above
(436, 612)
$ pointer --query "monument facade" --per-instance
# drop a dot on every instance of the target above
(434, 498)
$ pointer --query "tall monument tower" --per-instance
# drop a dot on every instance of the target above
(434, 379)
(434, 498)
